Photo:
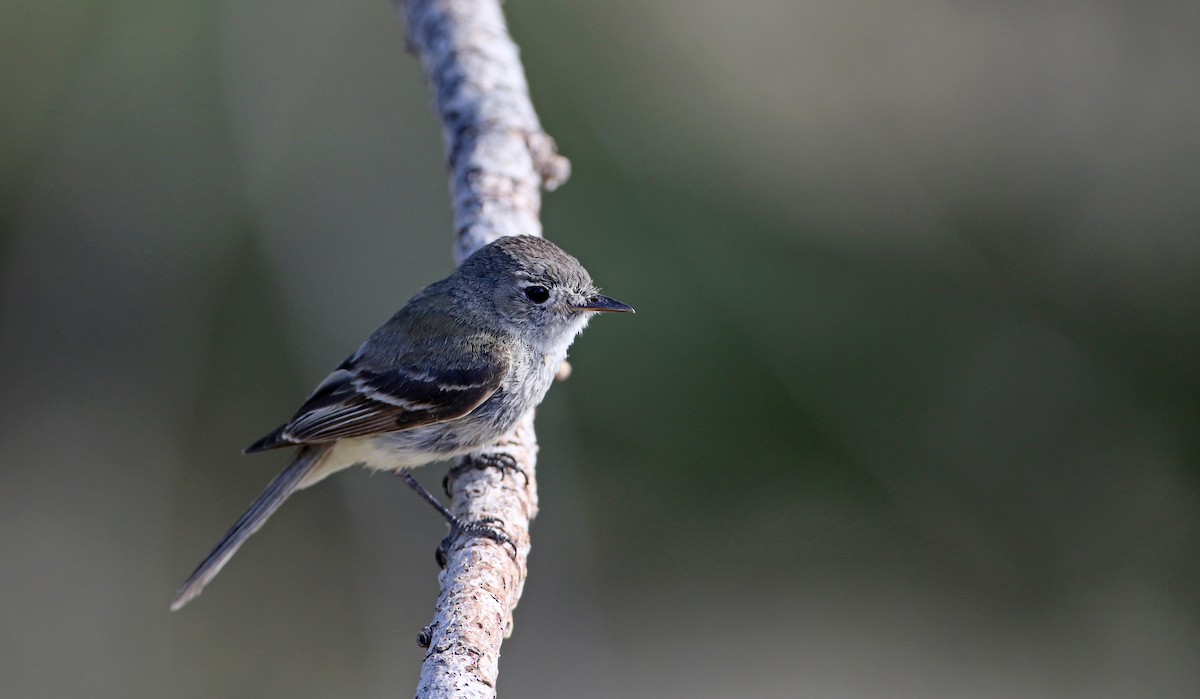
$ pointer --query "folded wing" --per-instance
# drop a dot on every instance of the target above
(357, 400)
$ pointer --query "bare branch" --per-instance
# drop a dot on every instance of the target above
(499, 157)
(500, 160)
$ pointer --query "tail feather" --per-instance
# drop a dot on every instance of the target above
(286, 483)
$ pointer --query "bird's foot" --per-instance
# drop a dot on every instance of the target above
(482, 528)
(506, 463)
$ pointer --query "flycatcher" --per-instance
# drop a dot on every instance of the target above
(450, 373)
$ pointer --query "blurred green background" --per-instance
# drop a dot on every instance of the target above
(910, 408)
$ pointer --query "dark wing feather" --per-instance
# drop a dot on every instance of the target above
(356, 401)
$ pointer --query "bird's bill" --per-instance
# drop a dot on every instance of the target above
(603, 304)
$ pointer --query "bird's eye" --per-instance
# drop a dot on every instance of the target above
(537, 294)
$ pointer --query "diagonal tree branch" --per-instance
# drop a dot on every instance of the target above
(500, 160)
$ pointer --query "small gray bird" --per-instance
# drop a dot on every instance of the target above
(451, 372)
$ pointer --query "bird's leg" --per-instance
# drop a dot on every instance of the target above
(506, 463)
(478, 527)
(407, 476)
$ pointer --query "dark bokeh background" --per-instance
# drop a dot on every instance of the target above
(910, 408)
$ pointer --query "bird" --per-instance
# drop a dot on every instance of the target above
(451, 372)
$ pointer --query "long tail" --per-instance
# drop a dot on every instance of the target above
(286, 483)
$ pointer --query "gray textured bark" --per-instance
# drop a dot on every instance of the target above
(500, 160)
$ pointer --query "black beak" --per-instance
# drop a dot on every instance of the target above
(603, 304)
